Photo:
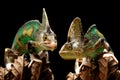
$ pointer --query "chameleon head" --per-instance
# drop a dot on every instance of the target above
(45, 38)
(74, 45)
(49, 37)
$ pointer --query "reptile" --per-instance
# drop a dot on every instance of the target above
(31, 38)
(79, 45)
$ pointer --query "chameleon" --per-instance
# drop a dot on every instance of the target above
(79, 45)
(31, 38)
(91, 52)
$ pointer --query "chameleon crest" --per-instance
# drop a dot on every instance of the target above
(33, 37)
(81, 45)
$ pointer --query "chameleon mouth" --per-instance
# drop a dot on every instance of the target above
(49, 45)
(70, 55)
(46, 45)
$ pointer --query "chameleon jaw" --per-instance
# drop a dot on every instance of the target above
(46, 45)
(70, 55)
(49, 45)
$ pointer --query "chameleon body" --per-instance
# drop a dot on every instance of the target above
(81, 45)
(25, 34)
(32, 37)
(93, 42)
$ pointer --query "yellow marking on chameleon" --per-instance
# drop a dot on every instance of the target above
(18, 41)
(28, 31)
(100, 34)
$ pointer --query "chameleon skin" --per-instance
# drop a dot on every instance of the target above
(74, 45)
(93, 42)
(79, 45)
(32, 37)
(40, 36)
(24, 34)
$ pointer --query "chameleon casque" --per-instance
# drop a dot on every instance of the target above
(32, 37)
(81, 45)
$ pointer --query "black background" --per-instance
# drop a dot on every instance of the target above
(60, 14)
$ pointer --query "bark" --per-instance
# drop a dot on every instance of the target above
(22, 69)
(105, 68)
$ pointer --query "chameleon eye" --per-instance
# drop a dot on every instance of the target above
(44, 37)
(69, 46)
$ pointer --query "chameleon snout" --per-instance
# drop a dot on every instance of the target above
(51, 45)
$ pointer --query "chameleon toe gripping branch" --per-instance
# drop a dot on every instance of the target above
(92, 54)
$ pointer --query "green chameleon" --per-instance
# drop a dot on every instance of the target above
(32, 37)
(79, 45)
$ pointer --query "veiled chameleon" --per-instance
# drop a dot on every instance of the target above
(32, 37)
(81, 45)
